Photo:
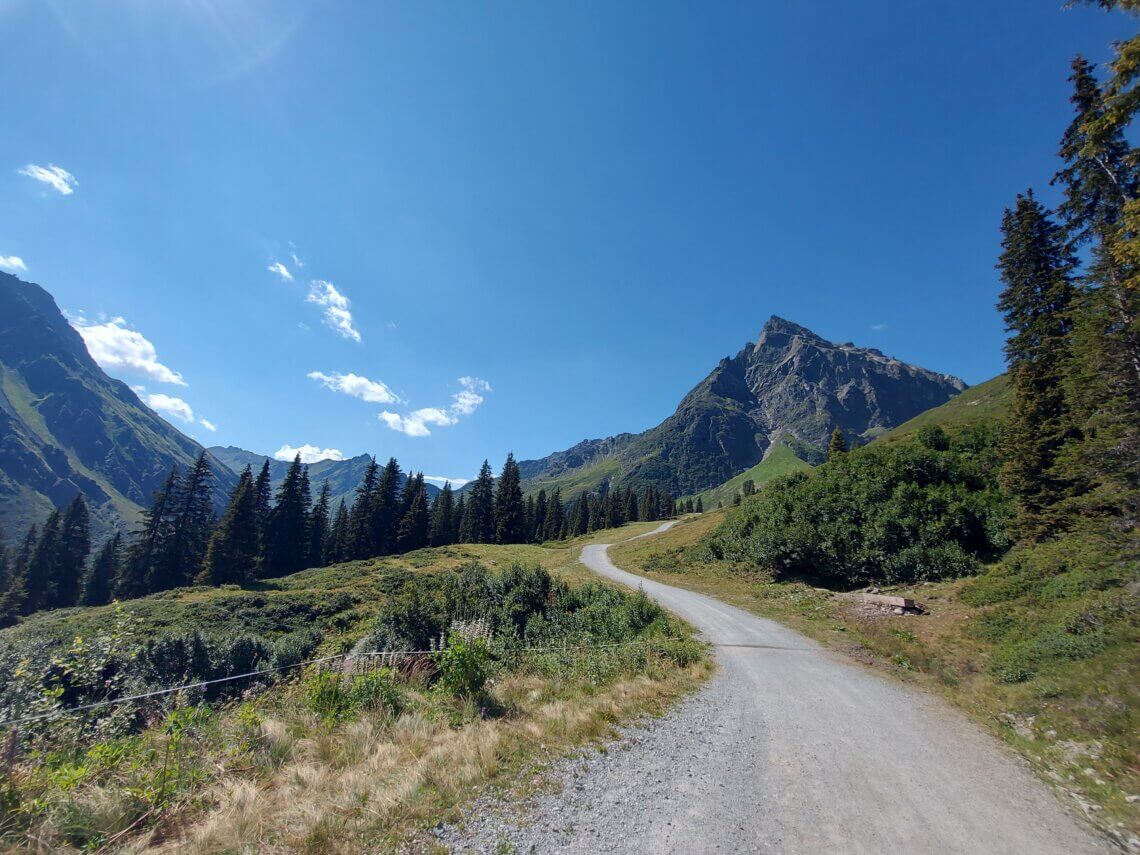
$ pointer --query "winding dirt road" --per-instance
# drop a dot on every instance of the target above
(788, 749)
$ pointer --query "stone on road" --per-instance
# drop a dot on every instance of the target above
(791, 749)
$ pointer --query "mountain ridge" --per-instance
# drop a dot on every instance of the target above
(789, 386)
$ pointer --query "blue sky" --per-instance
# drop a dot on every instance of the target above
(513, 226)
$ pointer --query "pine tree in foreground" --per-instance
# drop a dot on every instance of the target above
(509, 510)
(233, 554)
(1035, 269)
(442, 511)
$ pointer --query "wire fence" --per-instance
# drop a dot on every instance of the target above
(373, 660)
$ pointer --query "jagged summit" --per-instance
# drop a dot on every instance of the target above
(790, 386)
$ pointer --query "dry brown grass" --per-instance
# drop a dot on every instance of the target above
(372, 782)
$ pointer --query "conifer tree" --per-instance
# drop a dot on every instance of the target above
(700, 508)
(665, 503)
(579, 522)
(150, 543)
(192, 513)
(1035, 269)
(541, 509)
(263, 499)
(338, 535)
(232, 555)
(481, 507)
(631, 505)
(749, 486)
(285, 546)
(319, 528)
(100, 579)
(413, 528)
(11, 587)
(836, 446)
(442, 510)
(13, 596)
(359, 542)
(74, 547)
(554, 527)
(509, 510)
(388, 508)
(40, 577)
(458, 519)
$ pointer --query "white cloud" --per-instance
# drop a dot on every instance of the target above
(118, 348)
(293, 254)
(55, 176)
(463, 403)
(208, 425)
(878, 327)
(168, 405)
(372, 391)
(335, 304)
(12, 262)
(439, 479)
(309, 453)
(281, 270)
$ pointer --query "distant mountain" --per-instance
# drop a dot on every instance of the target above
(344, 476)
(66, 427)
(790, 387)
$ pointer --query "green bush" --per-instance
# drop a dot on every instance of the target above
(464, 666)
(887, 514)
(336, 697)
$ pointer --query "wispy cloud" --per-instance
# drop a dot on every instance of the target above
(12, 262)
(54, 176)
(281, 270)
(309, 453)
(878, 327)
(463, 403)
(208, 425)
(170, 406)
(372, 391)
(439, 479)
(335, 304)
(116, 347)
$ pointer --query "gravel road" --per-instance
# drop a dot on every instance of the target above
(788, 749)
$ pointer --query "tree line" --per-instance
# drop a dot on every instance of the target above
(264, 533)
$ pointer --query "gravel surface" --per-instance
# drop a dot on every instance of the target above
(788, 749)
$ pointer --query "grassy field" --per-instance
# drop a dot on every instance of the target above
(985, 402)
(781, 460)
(293, 768)
(1003, 646)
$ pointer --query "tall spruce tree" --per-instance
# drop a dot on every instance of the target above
(192, 512)
(263, 498)
(149, 544)
(100, 579)
(460, 521)
(233, 553)
(555, 524)
(388, 508)
(74, 547)
(481, 507)
(319, 528)
(509, 510)
(11, 587)
(13, 597)
(286, 543)
(1035, 268)
(338, 535)
(40, 576)
(541, 509)
(440, 531)
(359, 543)
(414, 527)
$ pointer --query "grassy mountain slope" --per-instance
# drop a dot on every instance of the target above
(66, 427)
(987, 401)
(780, 460)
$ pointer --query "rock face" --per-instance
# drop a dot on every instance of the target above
(789, 386)
(66, 427)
